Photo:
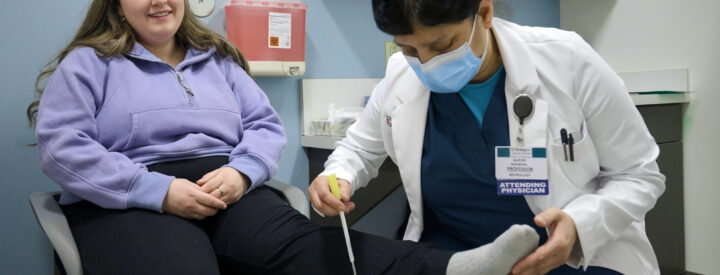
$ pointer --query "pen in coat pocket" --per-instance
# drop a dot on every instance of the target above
(571, 141)
(564, 140)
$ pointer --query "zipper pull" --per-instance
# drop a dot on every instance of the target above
(187, 89)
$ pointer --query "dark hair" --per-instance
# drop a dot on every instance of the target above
(394, 17)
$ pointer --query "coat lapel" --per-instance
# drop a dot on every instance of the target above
(408, 120)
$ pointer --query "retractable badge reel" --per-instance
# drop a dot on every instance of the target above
(523, 108)
(521, 171)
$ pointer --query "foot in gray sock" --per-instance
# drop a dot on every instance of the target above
(497, 257)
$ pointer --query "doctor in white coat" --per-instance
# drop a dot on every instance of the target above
(596, 204)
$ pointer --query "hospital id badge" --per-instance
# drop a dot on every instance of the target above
(521, 171)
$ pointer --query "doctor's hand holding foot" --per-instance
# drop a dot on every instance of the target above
(554, 252)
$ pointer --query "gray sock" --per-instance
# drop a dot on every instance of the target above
(497, 257)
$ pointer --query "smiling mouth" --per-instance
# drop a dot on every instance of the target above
(160, 14)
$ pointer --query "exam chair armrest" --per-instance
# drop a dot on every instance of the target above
(293, 195)
(56, 228)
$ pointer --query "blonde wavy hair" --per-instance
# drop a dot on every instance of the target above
(103, 30)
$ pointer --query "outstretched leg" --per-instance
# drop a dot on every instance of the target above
(262, 234)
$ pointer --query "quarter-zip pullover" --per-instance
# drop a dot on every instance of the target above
(102, 120)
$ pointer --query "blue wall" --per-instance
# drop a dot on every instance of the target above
(32, 32)
(342, 42)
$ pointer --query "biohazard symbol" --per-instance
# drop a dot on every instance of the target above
(274, 41)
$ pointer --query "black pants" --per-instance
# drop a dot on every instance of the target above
(260, 234)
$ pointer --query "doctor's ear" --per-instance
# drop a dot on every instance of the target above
(486, 12)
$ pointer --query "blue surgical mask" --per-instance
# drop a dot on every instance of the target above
(449, 72)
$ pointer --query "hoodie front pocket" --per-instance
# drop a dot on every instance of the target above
(201, 127)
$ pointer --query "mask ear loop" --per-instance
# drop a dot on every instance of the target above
(472, 32)
(487, 45)
(487, 41)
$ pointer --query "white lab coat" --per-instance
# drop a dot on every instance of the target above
(613, 182)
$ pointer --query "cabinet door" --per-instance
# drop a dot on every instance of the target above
(663, 121)
(665, 222)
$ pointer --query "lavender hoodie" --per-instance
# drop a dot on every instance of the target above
(102, 120)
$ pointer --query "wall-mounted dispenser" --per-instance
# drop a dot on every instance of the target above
(271, 35)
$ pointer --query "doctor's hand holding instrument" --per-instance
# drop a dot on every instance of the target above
(332, 180)
(323, 199)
